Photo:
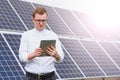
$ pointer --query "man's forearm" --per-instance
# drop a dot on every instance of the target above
(57, 57)
(31, 56)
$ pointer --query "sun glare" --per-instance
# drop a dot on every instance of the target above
(107, 14)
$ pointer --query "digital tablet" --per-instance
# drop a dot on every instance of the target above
(46, 43)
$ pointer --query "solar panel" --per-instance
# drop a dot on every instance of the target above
(14, 42)
(9, 67)
(101, 58)
(86, 19)
(24, 9)
(81, 57)
(73, 23)
(98, 32)
(114, 36)
(117, 44)
(68, 69)
(8, 18)
(112, 51)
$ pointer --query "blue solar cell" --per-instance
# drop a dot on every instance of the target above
(3, 74)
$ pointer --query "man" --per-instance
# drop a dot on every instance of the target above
(39, 67)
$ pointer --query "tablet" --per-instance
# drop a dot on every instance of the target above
(46, 43)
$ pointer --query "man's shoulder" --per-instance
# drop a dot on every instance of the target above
(27, 32)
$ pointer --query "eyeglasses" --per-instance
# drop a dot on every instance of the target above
(40, 20)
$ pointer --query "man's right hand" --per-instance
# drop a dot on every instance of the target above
(36, 53)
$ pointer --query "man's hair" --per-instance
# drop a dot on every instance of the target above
(39, 10)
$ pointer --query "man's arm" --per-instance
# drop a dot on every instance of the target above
(36, 53)
(57, 56)
(52, 52)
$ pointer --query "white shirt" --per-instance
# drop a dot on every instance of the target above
(30, 40)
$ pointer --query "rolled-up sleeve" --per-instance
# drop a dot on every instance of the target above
(23, 49)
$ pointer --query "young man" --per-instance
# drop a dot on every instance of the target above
(39, 67)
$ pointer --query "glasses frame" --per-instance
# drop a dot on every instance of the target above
(40, 20)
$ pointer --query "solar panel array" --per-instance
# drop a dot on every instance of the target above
(10, 68)
(87, 55)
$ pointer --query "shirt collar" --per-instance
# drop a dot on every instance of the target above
(38, 30)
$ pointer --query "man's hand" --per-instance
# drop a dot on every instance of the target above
(36, 53)
(52, 52)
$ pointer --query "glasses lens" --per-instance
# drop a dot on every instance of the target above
(39, 21)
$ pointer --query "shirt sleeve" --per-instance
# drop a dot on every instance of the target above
(59, 50)
(23, 50)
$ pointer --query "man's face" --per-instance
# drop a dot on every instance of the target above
(40, 21)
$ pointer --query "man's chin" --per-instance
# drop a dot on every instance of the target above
(40, 28)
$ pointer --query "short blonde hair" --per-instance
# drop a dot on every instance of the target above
(39, 10)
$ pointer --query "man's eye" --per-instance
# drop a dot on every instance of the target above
(41, 20)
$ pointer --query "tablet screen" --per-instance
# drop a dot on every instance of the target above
(46, 43)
